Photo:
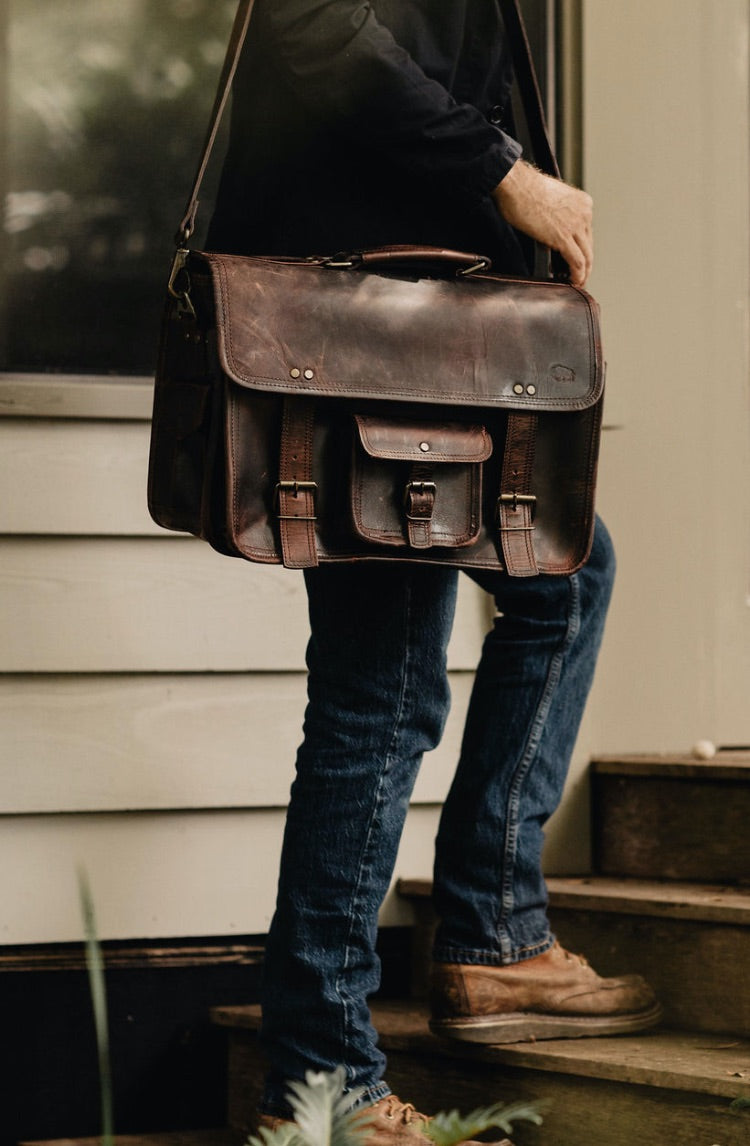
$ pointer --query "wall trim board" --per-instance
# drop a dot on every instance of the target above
(134, 955)
(114, 397)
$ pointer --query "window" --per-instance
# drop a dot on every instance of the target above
(104, 107)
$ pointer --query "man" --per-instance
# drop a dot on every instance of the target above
(357, 125)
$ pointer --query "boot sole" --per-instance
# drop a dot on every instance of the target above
(525, 1027)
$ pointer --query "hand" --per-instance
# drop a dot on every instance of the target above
(550, 211)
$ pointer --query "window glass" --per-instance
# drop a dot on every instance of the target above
(103, 111)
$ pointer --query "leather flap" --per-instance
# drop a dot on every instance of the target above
(295, 326)
(407, 441)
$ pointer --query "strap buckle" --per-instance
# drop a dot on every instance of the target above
(295, 488)
(420, 488)
(515, 499)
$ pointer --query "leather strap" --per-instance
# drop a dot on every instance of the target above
(419, 505)
(229, 67)
(296, 490)
(528, 86)
(515, 505)
(523, 66)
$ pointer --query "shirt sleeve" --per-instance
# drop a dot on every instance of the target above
(340, 60)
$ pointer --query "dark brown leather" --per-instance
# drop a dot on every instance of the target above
(311, 413)
(515, 505)
(295, 493)
(417, 483)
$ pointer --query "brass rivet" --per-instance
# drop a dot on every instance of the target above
(294, 372)
(424, 447)
(531, 390)
(518, 388)
(309, 374)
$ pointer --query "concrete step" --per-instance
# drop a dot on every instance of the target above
(672, 817)
(660, 1089)
(691, 941)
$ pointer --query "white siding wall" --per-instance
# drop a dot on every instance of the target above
(666, 139)
(151, 693)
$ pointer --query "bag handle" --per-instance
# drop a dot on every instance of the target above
(464, 262)
(523, 66)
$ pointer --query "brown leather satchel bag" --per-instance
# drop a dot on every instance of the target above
(397, 404)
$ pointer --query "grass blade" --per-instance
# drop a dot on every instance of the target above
(95, 966)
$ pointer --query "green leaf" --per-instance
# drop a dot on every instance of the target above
(95, 965)
(323, 1110)
(740, 1104)
(449, 1128)
(285, 1134)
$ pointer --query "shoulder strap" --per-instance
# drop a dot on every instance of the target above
(231, 59)
(528, 86)
(523, 66)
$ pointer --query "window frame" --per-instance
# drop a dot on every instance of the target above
(553, 28)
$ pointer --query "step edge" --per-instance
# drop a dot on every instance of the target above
(721, 769)
(616, 896)
(202, 1137)
(622, 1071)
(652, 899)
(548, 1057)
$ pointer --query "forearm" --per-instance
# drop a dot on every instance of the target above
(550, 211)
(348, 69)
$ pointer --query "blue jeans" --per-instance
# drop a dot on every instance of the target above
(378, 699)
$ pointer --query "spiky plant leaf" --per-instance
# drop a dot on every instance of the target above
(449, 1127)
(285, 1134)
(323, 1110)
(95, 966)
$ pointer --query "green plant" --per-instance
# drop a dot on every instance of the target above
(95, 966)
(323, 1117)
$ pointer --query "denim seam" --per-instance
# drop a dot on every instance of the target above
(480, 958)
(377, 803)
(522, 771)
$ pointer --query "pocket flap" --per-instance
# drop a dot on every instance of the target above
(401, 439)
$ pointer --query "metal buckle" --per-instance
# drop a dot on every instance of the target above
(482, 264)
(419, 487)
(343, 261)
(294, 488)
(515, 499)
(179, 270)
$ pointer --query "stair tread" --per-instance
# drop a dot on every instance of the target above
(221, 1137)
(726, 765)
(707, 902)
(721, 903)
(700, 1063)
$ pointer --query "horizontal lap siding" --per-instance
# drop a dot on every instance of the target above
(160, 875)
(122, 604)
(106, 743)
(151, 701)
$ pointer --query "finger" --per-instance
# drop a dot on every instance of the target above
(576, 261)
(586, 245)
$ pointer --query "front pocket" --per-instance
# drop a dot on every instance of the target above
(417, 483)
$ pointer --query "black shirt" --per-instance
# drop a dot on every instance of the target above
(363, 124)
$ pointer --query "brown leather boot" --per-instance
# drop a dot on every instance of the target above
(555, 995)
(390, 1122)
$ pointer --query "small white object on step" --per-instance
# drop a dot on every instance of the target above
(704, 750)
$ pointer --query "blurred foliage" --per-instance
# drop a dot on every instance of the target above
(108, 102)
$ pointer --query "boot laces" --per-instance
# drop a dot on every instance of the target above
(570, 955)
(404, 1112)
